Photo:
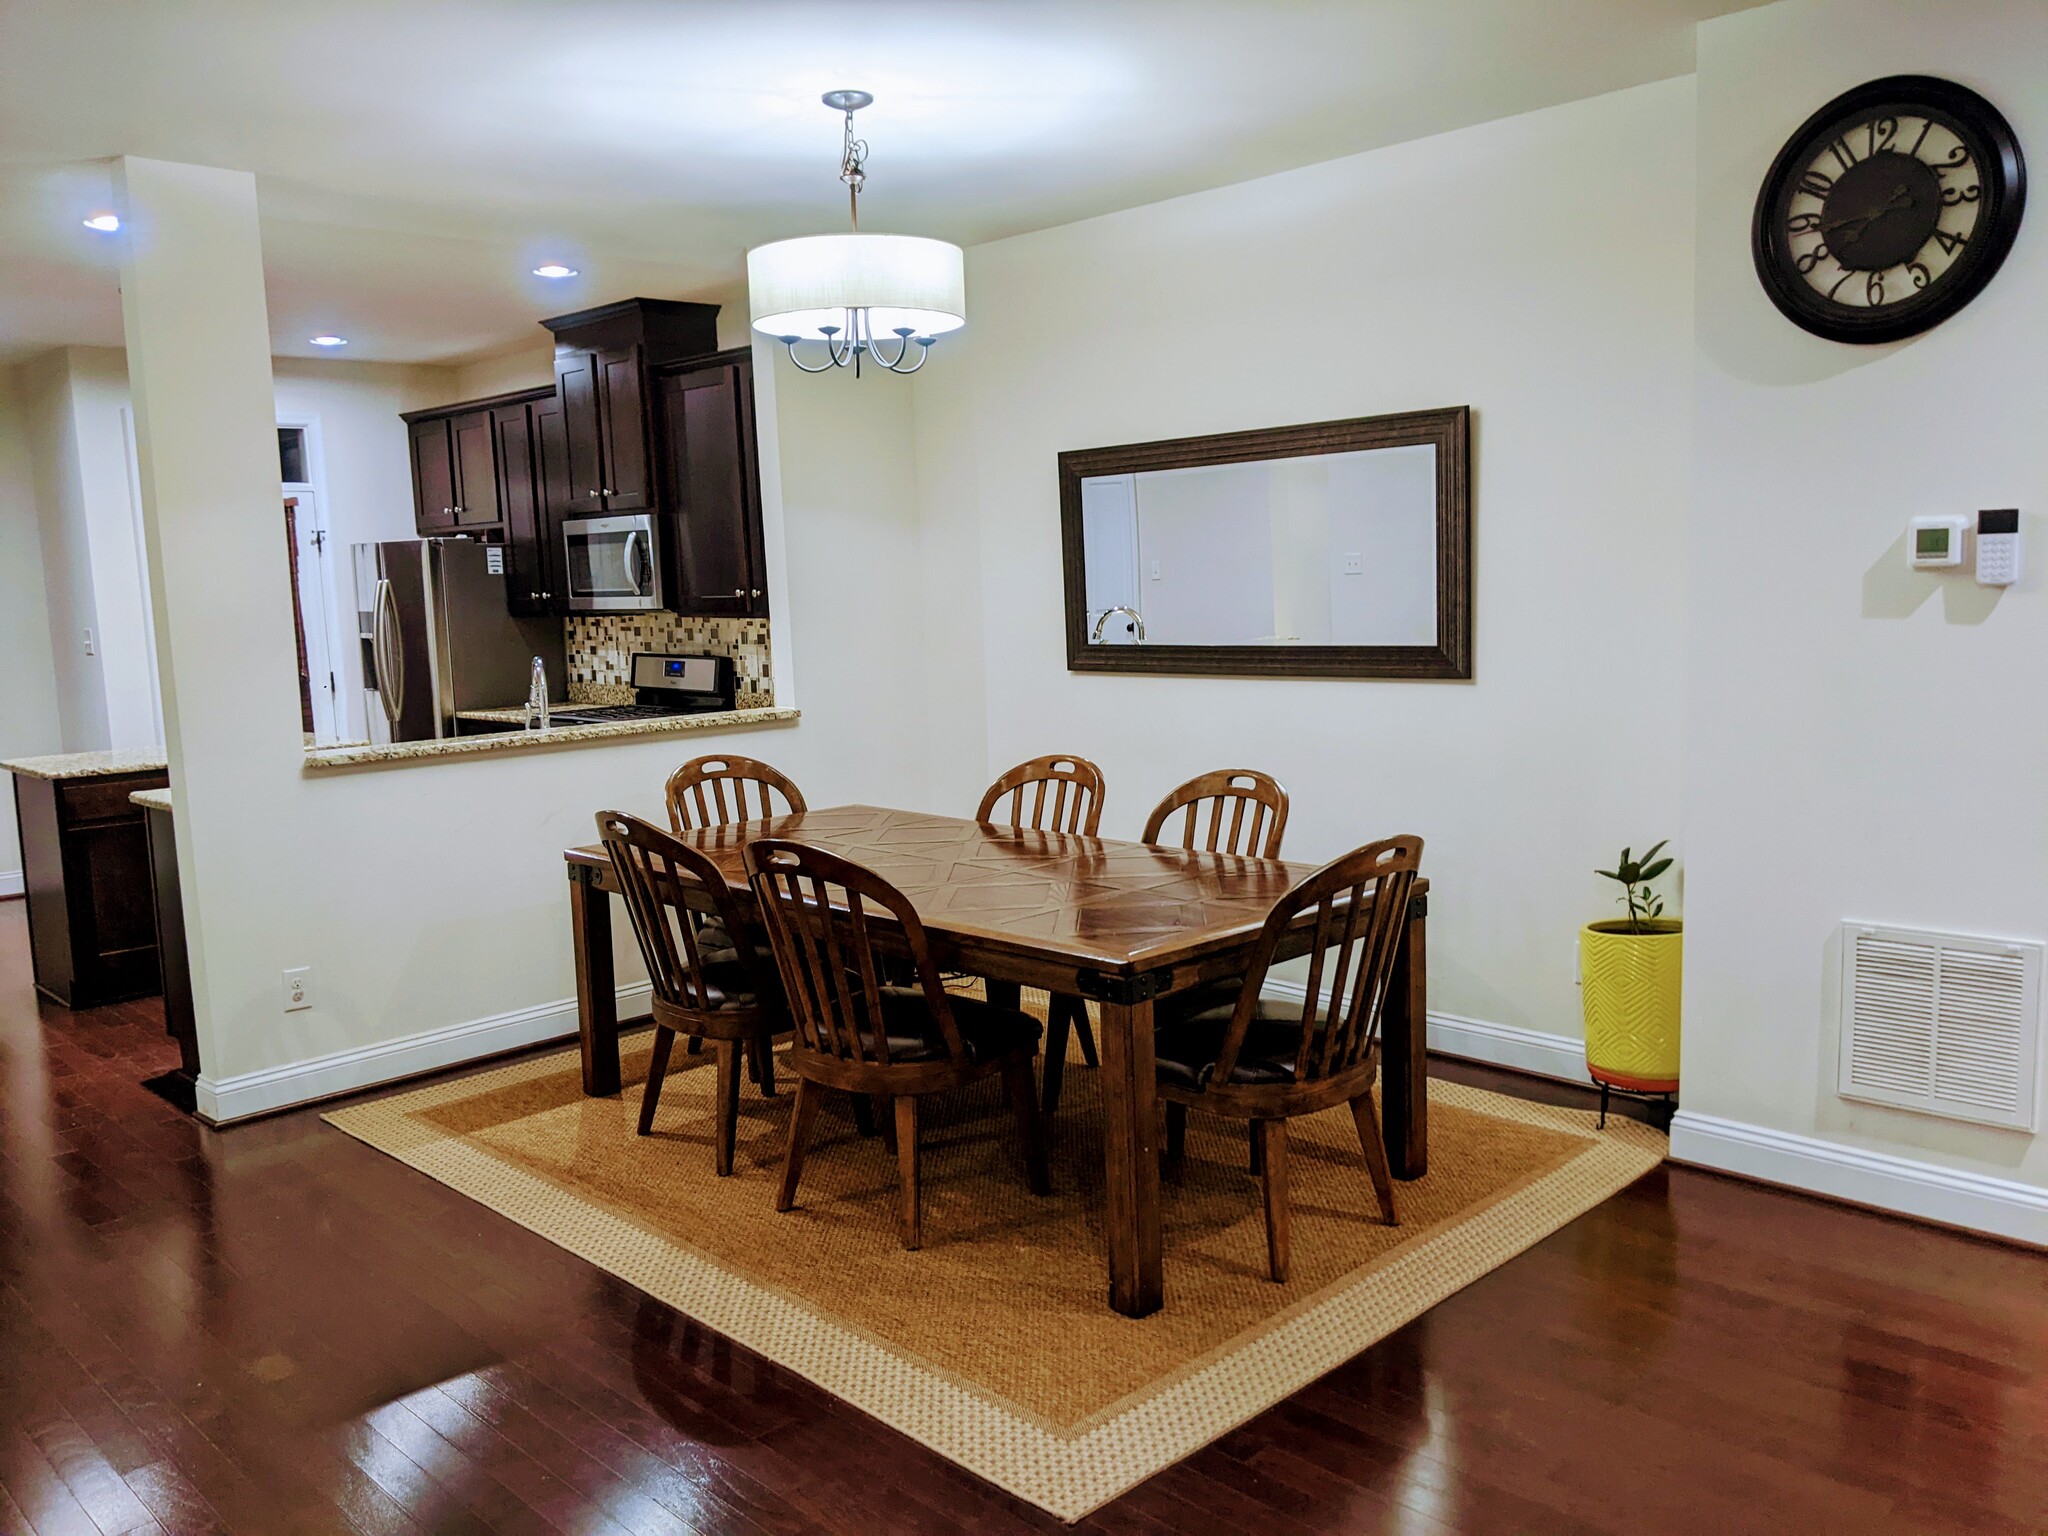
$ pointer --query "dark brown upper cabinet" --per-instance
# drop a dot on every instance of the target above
(713, 483)
(646, 415)
(476, 471)
(433, 475)
(454, 472)
(602, 359)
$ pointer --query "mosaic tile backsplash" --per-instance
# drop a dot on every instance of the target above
(601, 647)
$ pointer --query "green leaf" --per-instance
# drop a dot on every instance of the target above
(1656, 869)
(1653, 852)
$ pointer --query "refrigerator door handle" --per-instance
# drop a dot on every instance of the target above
(390, 655)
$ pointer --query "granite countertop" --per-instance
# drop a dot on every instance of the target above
(319, 758)
(89, 765)
(151, 799)
(513, 714)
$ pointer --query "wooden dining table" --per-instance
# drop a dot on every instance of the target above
(1121, 924)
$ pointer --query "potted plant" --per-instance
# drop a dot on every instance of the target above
(1629, 972)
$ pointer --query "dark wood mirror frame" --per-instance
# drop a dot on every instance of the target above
(1448, 430)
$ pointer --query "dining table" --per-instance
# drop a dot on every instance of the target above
(1120, 924)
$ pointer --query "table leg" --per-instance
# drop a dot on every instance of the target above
(597, 991)
(1004, 994)
(1131, 1158)
(1404, 1062)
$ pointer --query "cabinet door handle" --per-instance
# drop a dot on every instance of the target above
(755, 593)
(597, 493)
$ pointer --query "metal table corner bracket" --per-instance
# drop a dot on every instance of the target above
(584, 874)
(1418, 906)
(1123, 990)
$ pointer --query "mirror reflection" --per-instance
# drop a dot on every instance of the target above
(1323, 549)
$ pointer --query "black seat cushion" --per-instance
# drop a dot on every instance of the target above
(1188, 1043)
(714, 944)
(987, 1030)
(730, 984)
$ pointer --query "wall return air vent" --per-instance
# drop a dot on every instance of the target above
(1942, 1023)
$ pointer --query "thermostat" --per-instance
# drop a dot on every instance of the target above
(1935, 542)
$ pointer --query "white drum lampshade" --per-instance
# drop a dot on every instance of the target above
(796, 288)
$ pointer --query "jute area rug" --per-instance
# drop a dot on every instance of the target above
(994, 1344)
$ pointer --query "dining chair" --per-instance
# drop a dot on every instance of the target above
(857, 1034)
(1256, 810)
(1266, 1061)
(736, 1003)
(1047, 794)
(1052, 794)
(712, 791)
(1254, 802)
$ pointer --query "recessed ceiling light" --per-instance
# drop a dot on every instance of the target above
(105, 223)
(554, 269)
(330, 341)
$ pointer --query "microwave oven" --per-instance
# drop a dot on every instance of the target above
(613, 563)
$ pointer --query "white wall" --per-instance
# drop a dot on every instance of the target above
(44, 389)
(29, 724)
(1861, 741)
(1537, 269)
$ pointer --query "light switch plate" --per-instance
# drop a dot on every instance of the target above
(298, 988)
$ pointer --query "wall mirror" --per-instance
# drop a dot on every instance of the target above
(1341, 549)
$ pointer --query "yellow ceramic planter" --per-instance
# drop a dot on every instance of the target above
(1630, 984)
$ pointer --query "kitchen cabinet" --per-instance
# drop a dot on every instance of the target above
(646, 415)
(455, 473)
(85, 866)
(433, 476)
(712, 476)
(602, 361)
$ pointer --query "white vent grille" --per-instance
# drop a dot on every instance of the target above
(1941, 1023)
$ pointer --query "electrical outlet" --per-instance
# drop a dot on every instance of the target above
(88, 643)
(1154, 572)
(1354, 564)
(298, 988)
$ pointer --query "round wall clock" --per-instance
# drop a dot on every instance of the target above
(1889, 209)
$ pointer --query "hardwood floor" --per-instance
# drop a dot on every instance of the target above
(275, 1328)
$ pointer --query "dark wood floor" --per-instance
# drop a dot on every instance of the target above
(277, 1329)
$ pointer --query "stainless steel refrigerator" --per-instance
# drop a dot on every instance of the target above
(437, 637)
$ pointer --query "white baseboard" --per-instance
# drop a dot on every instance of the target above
(1498, 1045)
(11, 883)
(1983, 1203)
(223, 1100)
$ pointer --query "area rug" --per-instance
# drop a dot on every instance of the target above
(994, 1344)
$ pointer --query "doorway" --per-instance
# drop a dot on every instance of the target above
(313, 616)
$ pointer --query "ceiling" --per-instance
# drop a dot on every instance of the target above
(415, 159)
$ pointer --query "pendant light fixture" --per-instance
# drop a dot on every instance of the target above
(850, 290)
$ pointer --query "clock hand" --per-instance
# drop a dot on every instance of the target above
(1900, 200)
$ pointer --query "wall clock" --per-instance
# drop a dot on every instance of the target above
(1889, 209)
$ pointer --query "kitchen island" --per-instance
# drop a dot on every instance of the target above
(85, 871)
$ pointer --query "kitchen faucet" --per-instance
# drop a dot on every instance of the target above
(1137, 621)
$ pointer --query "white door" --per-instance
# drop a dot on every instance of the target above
(1109, 541)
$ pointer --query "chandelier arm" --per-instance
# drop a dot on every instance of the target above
(800, 363)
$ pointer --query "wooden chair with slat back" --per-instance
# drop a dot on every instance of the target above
(1047, 794)
(856, 1033)
(1052, 794)
(1233, 810)
(712, 791)
(1266, 1061)
(735, 1002)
